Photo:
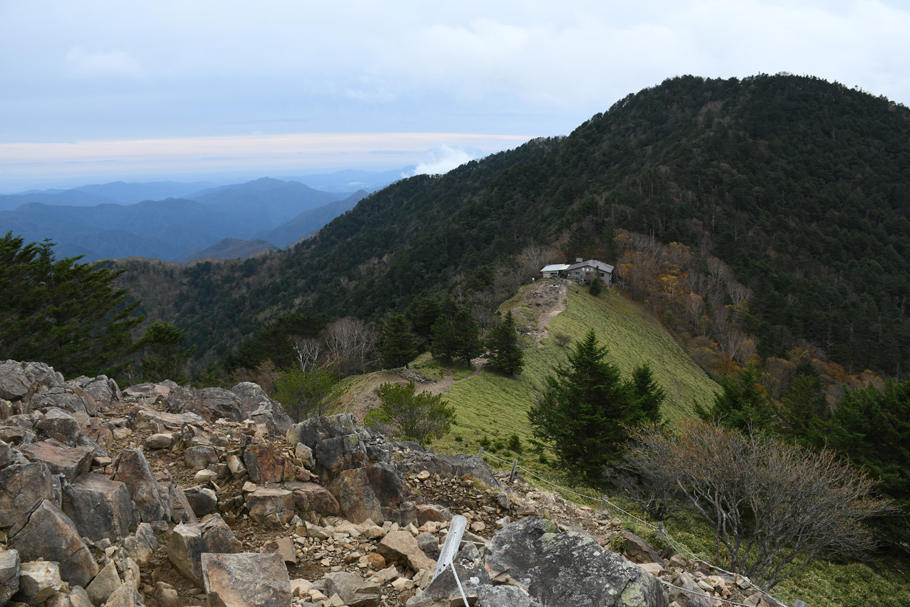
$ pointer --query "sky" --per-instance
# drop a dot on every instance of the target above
(101, 90)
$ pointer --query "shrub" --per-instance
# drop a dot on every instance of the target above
(408, 415)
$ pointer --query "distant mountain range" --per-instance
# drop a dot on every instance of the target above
(105, 221)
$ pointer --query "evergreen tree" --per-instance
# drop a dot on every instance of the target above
(167, 358)
(647, 393)
(596, 287)
(503, 352)
(60, 312)
(587, 410)
(742, 404)
(457, 338)
(397, 345)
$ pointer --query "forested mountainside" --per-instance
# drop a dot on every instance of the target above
(800, 185)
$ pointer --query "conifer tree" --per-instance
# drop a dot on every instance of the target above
(61, 312)
(503, 351)
(457, 338)
(167, 358)
(397, 344)
(587, 410)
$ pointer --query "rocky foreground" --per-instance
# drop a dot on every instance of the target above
(172, 496)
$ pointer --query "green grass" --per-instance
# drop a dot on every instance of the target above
(496, 406)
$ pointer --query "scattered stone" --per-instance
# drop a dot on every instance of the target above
(300, 587)
(60, 425)
(284, 547)
(203, 477)
(141, 545)
(352, 589)
(253, 580)
(236, 467)
(401, 546)
(202, 500)
(38, 581)
(162, 440)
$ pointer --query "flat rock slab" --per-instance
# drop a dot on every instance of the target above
(100, 508)
(71, 462)
(52, 536)
(246, 580)
(352, 589)
(571, 568)
(169, 421)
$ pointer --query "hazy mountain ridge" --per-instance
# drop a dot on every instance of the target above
(793, 181)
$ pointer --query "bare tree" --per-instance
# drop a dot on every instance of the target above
(352, 344)
(775, 507)
(738, 292)
(308, 351)
(695, 308)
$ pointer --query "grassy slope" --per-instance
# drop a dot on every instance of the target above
(495, 405)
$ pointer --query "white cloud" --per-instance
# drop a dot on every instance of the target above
(442, 160)
(81, 63)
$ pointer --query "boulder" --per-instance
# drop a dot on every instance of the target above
(567, 568)
(376, 492)
(432, 513)
(160, 440)
(23, 487)
(200, 456)
(209, 403)
(334, 441)
(257, 406)
(71, 462)
(52, 536)
(14, 385)
(60, 398)
(202, 500)
(100, 508)
(170, 422)
(60, 425)
(271, 507)
(429, 544)
(132, 469)
(236, 467)
(284, 547)
(352, 589)
(265, 464)
(38, 581)
(187, 543)
(504, 596)
(142, 544)
(9, 574)
(97, 392)
(444, 589)
(638, 550)
(246, 580)
(104, 584)
(402, 547)
(76, 597)
(125, 596)
(448, 466)
(311, 497)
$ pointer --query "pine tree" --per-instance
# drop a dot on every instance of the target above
(397, 344)
(60, 312)
(457, 338)
(742, 404)
(586, 411)
(503, 352)
(648, 395)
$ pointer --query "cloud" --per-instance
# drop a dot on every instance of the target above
(442, 160)
(85, 64)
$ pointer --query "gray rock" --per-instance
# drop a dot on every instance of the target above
(448, 466)
(401, 546)
(71, 462)
(335, 443)
(142, 544)
(23, 487)
(76, 597)
(429, 544)
(199, 457)
(179, 506)
(209, 403)
(7, 455)
(125, 596)
(132, 469)
(161, 440)
(52, 536)
(9, 574)
(14, 385)
(504, 596)
(60, 425)
(97, 392)
(246, 580)
(103, 586)
(272, 507)
(311, 497)
(202, 500)
(257, 406)
(444, 589)
(100, 508)
(376, 492)
(567, 568)
(187, 543)
(38, 581)
(353, 590)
